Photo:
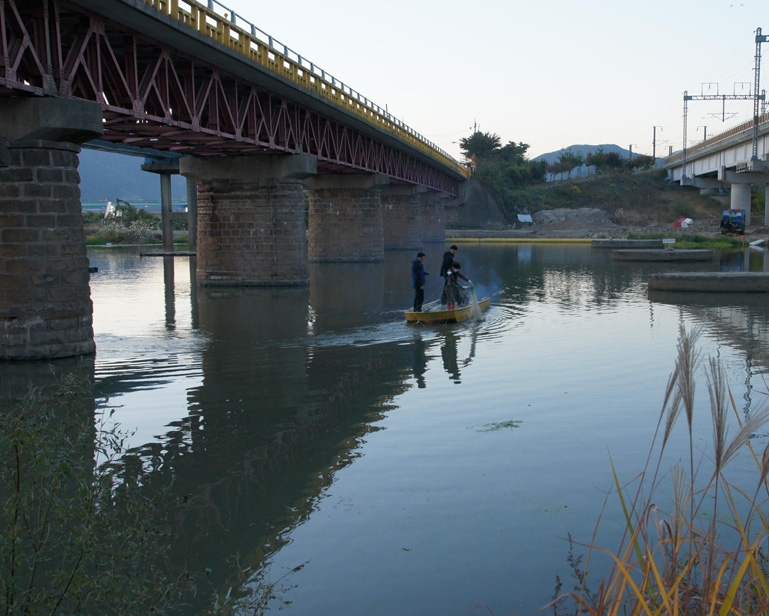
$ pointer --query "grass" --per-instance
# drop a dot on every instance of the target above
(131, 227)
(723, 242)
(630, 199)
(700, 551)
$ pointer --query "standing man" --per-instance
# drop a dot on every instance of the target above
(448, 261)
(418, 280)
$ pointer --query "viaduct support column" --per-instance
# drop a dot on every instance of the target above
(740, 199)
(345, 218)
(45, 298)
(402, 216)
(192, 214)
(251, 229)
(766, 205)
(433, 217)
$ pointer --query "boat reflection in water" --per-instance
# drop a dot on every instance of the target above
(313, 433)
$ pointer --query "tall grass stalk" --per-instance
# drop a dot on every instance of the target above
(685, 560)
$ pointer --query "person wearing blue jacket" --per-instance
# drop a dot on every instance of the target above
(418, 280)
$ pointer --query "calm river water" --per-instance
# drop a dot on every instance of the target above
(410, 469)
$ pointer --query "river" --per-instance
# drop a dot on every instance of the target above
(373, 467)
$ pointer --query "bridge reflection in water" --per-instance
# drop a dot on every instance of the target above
(290, 420)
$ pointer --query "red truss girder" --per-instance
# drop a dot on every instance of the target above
(154, 96)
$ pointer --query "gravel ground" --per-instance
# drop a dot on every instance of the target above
(588, 223)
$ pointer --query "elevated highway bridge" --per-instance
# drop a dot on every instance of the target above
(285, 163)
(733, 160)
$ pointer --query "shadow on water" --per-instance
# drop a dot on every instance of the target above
(282, 387)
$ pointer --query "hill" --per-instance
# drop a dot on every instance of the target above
(552, 157)
(106, 176)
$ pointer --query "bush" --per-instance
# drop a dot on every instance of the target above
(76, 537)
(677, 561)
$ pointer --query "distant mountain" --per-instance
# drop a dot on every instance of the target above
(552, 157)
(107, 176)
(584, 170)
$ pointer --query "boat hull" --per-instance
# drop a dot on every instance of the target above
(431, 313)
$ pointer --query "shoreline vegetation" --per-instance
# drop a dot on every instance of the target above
(698, 546)
(617, 205)
(127, 225)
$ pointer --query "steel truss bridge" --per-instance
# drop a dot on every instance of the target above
(191, 79)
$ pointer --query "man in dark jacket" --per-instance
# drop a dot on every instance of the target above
(448, 260)
(418, 280)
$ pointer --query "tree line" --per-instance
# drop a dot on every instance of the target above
(502, 169)
(506, 168)
(602, 162)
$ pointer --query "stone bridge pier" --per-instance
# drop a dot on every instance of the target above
(251, 219)
(345, 218)
(45, 298)
(434, 217)
(402, 216)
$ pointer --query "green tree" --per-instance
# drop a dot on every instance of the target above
(603, 161)
(570, 161)
(480, 145)
(640, 162)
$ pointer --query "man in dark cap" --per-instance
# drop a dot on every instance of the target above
(418, 280)
(448, 260)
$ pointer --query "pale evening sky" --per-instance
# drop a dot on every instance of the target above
(550, 74)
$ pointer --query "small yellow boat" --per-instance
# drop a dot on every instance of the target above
(435, 312)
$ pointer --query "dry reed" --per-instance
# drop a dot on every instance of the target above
(678, 562)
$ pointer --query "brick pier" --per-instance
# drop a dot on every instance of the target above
(45, 298)
(345, 218)
(402, 216)
(251, 219)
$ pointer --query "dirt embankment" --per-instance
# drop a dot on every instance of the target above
(604, 207)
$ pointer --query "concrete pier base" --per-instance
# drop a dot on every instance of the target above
(710, 282)
(663, 255)
(625, 244)
(739, 198)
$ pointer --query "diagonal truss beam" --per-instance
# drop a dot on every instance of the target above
(155, 96)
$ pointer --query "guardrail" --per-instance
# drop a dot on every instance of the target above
(224, 26)
(735, 130)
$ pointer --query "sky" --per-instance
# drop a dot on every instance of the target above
(550, 73)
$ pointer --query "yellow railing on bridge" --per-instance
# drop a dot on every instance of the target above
(735, 130)
(222, 25)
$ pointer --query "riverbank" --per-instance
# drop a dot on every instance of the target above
(587, 224)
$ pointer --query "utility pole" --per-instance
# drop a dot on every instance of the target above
(760, 38)
(704, 132)
(754, 96)
(654, 142)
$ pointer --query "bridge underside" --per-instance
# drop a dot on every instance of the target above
(155, 96)
(251, 223)
(266, 165)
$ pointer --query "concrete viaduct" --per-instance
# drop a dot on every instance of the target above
(285, 163)
(733, 160)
